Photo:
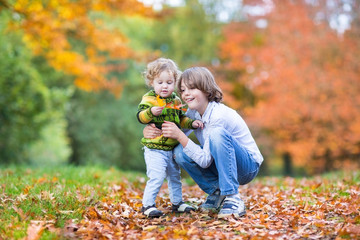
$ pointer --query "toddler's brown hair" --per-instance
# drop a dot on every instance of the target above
(155, 68)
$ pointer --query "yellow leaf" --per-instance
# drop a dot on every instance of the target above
(161, 102)
(149, 228)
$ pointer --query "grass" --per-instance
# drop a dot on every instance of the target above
(61, 193)
(51, 194)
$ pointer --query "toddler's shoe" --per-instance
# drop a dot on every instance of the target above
(213, 201)
(182, 208)
(233, 205)
(151, 211)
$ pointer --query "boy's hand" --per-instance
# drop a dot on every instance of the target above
(151, 131)
(156, 111)
(198, 124)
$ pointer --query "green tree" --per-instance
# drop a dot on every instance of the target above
(53, 29)
(104, 129)
(187, 34)
(25, 101)
(52, 147)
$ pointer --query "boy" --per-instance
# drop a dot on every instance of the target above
(227, 156)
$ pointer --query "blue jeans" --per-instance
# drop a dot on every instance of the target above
(160, 165)
(233, 165)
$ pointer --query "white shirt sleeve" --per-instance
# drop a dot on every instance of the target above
(218, 115)
(201, 156)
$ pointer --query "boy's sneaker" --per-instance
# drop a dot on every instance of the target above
(182, 208)
(213, 201)
(151, 211)
(233, 205)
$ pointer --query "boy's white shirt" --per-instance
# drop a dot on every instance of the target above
(219, 115)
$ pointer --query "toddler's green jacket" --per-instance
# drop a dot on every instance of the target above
(171, 113)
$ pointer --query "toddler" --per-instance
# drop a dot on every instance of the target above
(161, 105)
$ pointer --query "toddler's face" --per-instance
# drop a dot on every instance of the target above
(164, 84)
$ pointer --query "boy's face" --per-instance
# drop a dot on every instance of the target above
(164, 84)
(194, 98)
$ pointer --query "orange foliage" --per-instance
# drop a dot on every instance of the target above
(162, 103)
(307, 81)
(49, 25)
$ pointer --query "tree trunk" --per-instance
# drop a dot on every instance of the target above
(329, 161)
(287, 161)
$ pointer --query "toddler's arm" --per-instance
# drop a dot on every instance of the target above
(146, 113)
(156, 111)
(198, 124)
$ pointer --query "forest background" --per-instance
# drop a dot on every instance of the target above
(70, 77)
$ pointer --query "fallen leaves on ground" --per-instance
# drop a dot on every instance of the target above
(276, 209)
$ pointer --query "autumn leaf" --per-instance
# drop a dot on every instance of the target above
(48, 26)
(272, 213)
(35, 230)
(276, 208)
(162, 103)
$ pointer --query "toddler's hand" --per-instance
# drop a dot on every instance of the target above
(156, 111)
(198, 124)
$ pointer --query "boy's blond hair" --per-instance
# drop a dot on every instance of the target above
(202, 79)
(155, 68)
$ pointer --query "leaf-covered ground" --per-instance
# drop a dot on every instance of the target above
(326, 207)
